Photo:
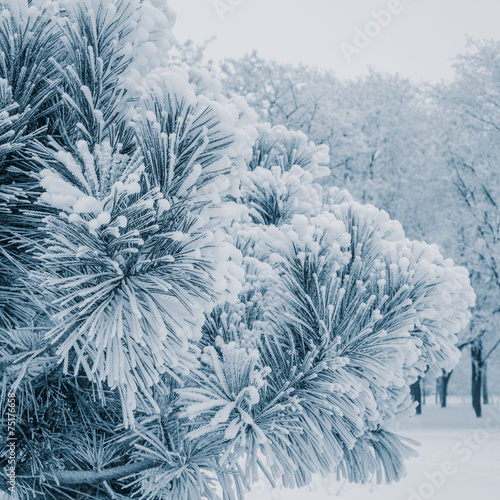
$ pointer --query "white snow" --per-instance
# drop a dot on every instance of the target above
(459, 460)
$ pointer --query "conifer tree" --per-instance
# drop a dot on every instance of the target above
(183, 307)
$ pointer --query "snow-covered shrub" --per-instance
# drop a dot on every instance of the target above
(183, 306)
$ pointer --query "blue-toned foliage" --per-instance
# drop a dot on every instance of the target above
(183, 307)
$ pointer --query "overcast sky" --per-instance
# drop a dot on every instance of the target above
(418, 40)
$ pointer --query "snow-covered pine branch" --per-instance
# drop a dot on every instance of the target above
(187, 306)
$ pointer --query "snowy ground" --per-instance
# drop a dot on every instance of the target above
(459, 460)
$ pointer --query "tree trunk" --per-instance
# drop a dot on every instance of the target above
(443, 388)
(486, 396)
(416, 394)
(476, 357)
